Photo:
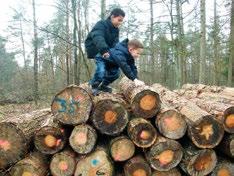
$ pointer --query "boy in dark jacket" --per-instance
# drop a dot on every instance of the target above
(103, 36)
(122, 56)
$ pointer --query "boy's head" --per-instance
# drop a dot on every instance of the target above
(135, 48)
(116, 16)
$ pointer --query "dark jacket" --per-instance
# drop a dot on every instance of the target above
(120, 56)
(101, 38)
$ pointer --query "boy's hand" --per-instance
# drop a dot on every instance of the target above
(138, 82)
(106, 55)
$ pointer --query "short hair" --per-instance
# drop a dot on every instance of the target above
(117, 12)
(135, 44)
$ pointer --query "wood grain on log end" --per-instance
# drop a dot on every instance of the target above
(171, 124)
(137, 166)
(63, 164)
(96, 163)
(49, 140)
(165, 154)
(83, 139)
(172, 172)
(142, 132)
(13, 145)
(109, 116)
(72, 105)
(122, 148)
(207, 132)
(229, 119)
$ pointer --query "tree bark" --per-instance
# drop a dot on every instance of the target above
(103, 9)
(231, 57)
(35, 45)
(202, 41)
(227, 145)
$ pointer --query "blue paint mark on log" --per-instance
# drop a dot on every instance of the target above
(94, 162)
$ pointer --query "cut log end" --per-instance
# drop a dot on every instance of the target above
(110, 117)
(142, 133)
(172, 172)
(206, 132)
(12, 144)
(171, 124)
(229, 119)
(122, 149)
(137, 166)
(146, 104)
(203, 163)
(63, 164)
(72, 105)
(164, 155)
(49, 140)
(83, 139)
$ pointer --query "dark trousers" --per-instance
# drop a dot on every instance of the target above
(105, 73)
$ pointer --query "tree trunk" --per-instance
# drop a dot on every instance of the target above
(35, 164)
(215, 46)
(143, 100)
(165, 154)
(203, 129)
(121, 148)
(72, 105)
(171, 123)
(67, 44)
(142, 132)
(83, 139)
(198, 162)
(35, 45)
(172, 172)
(137, 166)
(110, 115)
(103, 9)
(202, 42)
(231, 57)
(63, 163)
(97, 163)
(75, 28)
(49, 139)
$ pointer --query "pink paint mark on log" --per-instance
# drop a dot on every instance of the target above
(5, 145)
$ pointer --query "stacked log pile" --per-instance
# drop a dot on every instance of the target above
(139, 131)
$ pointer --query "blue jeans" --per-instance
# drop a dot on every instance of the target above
(106, 72)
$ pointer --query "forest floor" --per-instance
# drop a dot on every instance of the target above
(10, 110)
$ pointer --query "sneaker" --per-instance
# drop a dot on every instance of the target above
(95, 92)
(105, 88)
